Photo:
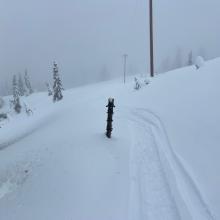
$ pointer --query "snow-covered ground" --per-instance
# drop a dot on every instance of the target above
(161, 163)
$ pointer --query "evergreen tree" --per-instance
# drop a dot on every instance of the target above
(21, 87)
(57, 86)
(28, 83)
(16, 99)
(50, 92)
(190, 59)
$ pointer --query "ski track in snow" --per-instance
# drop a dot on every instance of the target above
(13, 177)
(161, 188)
(150, 196)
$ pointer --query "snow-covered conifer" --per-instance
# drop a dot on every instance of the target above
(190, 59)
(137, 85)
(29, 89)
(16, 99)
(57, 86)
(21, 87)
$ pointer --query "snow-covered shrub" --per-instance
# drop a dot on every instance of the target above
(147, 81)
(137, 85)
(49, 90)
(27, 109)
(3, 116)
(199, 62)
(140, 82)
(1, 102)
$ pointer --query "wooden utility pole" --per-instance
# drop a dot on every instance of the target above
(125, 66)
(151, 38)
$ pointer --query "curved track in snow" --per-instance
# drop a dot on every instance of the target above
(161, 188)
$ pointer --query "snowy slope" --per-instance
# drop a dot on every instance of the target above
(161, 163)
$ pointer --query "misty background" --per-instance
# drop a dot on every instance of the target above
(88, 38)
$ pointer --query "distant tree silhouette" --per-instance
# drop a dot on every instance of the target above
(190, 59)
(21, 87)
(16, 99)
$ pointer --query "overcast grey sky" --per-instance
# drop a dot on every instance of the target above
(87, 37)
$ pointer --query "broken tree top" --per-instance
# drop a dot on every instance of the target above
(109, 119)
(110, 102)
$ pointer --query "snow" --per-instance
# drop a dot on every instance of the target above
(161, 163)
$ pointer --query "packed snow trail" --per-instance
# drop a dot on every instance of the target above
(150, 195)
(184, 196)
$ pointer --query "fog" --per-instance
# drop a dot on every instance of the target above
(88, 38)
